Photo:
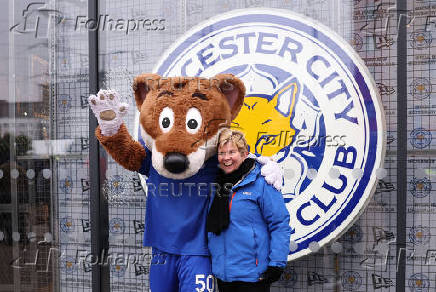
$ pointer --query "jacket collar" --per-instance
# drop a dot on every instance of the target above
(250, 177)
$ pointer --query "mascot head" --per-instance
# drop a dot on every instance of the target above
(181, 117)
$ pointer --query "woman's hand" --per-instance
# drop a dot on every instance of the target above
(271, 274)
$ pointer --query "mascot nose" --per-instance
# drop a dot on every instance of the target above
(176, 162)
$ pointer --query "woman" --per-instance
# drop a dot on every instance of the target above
(248, 223)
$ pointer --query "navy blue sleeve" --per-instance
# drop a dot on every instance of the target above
(146, 163)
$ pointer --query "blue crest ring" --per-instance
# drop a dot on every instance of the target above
(371, 114)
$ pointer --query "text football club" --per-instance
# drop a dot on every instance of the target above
(310, 103)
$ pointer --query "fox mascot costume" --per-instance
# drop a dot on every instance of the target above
(180, 121)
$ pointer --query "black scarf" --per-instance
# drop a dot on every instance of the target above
(218, 218)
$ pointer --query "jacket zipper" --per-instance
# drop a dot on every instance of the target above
(255, 245)
(225, 255)
(231, 202)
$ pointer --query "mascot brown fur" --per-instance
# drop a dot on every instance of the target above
(212, 103)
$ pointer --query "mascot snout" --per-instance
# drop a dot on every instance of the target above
(176, 162)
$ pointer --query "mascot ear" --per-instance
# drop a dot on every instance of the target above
(233, 89)
(142, 85)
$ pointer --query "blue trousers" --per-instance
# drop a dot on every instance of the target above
(180, 273)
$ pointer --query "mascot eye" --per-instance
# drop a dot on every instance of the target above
(166, 119)
(193, 120)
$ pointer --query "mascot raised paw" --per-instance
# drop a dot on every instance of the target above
(180, 120)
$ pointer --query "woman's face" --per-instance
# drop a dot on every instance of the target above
(229, 157)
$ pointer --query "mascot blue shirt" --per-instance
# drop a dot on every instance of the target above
(176, 210)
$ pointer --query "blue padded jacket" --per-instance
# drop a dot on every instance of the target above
(258, 234)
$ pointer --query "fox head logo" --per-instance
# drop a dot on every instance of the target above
(282, 120)
(267, 115)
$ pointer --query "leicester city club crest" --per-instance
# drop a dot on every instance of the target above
(419, 283)
(310, 103)
(351, 281)
(419, 235)
(116, 226)
(420, 138)
(68, 265)
(420, 187)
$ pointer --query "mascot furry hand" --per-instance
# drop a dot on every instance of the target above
(180, 120)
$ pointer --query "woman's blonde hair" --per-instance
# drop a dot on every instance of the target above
(234, 136)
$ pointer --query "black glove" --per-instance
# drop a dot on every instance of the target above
(271, 274)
